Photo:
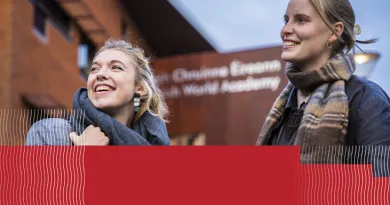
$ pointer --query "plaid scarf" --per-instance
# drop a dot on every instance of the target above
(325, 117)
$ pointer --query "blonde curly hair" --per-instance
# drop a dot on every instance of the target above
(153, 100)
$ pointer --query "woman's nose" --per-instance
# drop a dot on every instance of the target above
(286, 30)
(102, 74)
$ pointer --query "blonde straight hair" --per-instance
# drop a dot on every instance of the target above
(333, 11)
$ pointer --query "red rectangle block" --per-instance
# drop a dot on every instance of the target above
(190, 175)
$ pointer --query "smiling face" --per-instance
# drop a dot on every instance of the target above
(305, 34)
(111, 83)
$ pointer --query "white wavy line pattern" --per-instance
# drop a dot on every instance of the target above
(2, 157)
(321, 186)
(386, 182)
(59, 185)
(358, 188)
(7, 198)
(51, 174)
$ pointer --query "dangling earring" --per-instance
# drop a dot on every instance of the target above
(329, 45)
(137, 102)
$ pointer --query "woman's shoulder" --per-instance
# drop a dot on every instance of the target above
(364, 92)
(49, 131)
(51, 122)
(367, 100)
(369, 113)
(149, 117)
(155, 127)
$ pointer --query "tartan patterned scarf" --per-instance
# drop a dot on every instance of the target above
(325, 117)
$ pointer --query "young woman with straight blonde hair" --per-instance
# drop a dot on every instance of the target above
(325, 109)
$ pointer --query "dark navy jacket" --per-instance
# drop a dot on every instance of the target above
(369, 113)
(369, 125)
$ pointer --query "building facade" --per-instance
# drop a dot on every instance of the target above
(46, 48)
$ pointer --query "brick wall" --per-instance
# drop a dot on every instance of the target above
(30, 65)
(6, 8)
(110, 15)
(5, 52)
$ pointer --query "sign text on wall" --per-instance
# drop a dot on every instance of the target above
(221, 80)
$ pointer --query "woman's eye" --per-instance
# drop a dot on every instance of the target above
(117, 68)
(301, 20)
(93, 69)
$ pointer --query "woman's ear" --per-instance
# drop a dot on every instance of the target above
(339, 28)
(141, 88)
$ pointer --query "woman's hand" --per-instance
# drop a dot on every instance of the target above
(91, 136)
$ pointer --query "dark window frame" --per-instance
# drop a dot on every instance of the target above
(91, 51)
(53, 13)
(124, 28)
(40, 21)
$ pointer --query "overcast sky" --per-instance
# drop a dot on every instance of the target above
(236, 25)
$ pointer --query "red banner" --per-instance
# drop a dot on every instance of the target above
(180, 175)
